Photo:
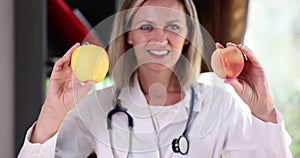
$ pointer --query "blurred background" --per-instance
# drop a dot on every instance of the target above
(273, 33)
(35, 33)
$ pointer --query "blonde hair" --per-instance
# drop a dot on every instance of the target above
(123, 65)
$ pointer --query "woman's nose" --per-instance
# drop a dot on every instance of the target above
(159, 36)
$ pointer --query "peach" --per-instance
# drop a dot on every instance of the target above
(90, 62)
(227, 62)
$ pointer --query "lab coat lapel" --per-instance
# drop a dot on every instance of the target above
(133, 99)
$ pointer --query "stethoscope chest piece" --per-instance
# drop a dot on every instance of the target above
(181, 145)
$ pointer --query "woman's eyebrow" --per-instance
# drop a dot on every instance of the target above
(145, 21)
(153, 22)
(176, 21)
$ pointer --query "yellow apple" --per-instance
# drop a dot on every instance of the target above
(90, 62)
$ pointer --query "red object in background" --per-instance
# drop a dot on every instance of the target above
(67, 25)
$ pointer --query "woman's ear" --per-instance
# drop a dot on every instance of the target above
(129, 39)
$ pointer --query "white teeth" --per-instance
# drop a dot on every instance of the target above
(157, 52)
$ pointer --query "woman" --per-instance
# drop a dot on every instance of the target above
(155, 60)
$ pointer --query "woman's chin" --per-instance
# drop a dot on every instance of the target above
(156, 67)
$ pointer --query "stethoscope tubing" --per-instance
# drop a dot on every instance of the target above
(119, 109)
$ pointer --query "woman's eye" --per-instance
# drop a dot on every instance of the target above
(173, 27)
(146, 27)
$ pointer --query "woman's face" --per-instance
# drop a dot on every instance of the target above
(158, 34)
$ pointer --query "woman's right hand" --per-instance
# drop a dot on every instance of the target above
(64, 92)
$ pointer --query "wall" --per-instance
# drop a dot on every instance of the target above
(6, 78)
(29, 64)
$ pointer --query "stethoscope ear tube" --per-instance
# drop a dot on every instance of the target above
(117, 109)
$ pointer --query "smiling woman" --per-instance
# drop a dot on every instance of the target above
(156, 107)
(157, 35)
(161, 31)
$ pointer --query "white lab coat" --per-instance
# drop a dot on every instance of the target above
(220, 126)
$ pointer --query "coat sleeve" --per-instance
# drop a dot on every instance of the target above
(46, 150)
(72, 140)
(271, 140)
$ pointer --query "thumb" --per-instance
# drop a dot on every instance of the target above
(238, 87)
(86, 88)
(88, 85)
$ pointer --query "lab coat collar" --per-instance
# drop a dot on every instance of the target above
(133, 99)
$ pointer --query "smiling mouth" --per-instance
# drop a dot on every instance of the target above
(158, 52)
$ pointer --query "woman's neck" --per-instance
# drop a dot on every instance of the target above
(160, 88)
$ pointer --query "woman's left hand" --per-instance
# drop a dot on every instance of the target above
(252, 86)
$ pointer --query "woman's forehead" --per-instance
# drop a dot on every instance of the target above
(158, 13)
(172, 4)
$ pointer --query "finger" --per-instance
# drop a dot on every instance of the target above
(76, 84)
(83, 90)
(61, 63)
(230, 44)
(248, 52)
(71, 50)
(65, 60)
(219, 45)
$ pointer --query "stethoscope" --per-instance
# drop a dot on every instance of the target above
(179, 145)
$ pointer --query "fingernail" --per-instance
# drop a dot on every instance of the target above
(228, 80)
(245, 56)
(92, 83)
(217, 44)
(242, 50)
(232, 44)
